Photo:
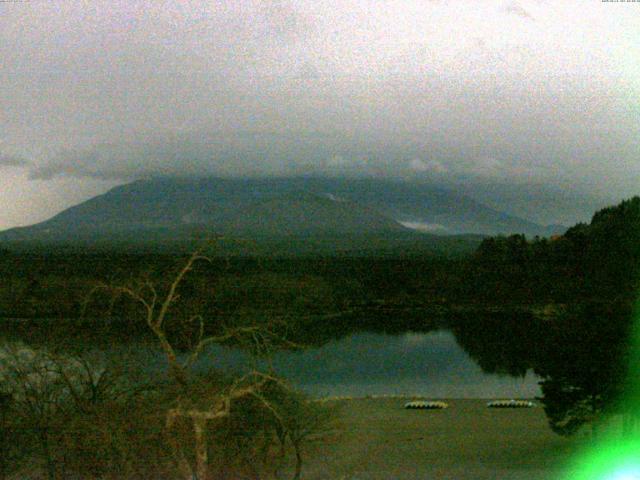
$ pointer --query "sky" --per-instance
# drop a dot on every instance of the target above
(481, 93)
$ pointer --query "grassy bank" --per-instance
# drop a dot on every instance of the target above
(379, 439)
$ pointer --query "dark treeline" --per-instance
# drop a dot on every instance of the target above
(591, 262)
(57, 285)
(599, 261)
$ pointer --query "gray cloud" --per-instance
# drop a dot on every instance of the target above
(10, 160)
(516, 9)
(226, 154)
(272, 153)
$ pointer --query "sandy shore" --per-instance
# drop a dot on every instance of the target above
(379, 439)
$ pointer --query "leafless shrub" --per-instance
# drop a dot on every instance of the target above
(45, 392)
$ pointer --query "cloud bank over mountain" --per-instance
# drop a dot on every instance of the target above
(234, 154)
(522, 92)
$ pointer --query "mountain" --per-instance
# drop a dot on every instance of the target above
(540, 202)
(311, 207)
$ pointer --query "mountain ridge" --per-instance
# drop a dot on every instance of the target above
(283, 206)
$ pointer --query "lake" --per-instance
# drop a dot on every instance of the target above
(429, 364)
(426, 364)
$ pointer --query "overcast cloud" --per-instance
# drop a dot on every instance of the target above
(100, 92)
(9, 160)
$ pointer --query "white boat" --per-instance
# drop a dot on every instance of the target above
(426, 405)
(510, 404)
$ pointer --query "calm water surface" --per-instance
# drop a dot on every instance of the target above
(427, 364)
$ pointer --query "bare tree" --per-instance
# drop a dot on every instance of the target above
(201, 405)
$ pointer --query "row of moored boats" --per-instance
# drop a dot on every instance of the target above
(439, 405)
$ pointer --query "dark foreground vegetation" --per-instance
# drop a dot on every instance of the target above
(562, 307)
(67, 415)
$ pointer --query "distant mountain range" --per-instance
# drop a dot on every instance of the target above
(305, 207)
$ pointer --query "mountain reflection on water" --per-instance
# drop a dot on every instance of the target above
(427, 364)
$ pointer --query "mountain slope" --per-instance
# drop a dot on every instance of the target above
(165, 209)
